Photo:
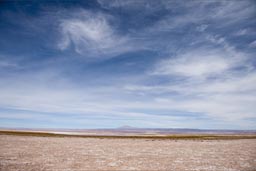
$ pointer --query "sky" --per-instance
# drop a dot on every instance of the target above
(143, 63)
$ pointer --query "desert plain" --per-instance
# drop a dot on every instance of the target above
(46, 153)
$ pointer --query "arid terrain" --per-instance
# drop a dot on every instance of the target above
(27, 153)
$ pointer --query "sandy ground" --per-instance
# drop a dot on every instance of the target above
(26, 153)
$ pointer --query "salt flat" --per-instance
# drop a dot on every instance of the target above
(72, 153)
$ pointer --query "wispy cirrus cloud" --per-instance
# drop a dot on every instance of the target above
(4, 64)
(214, 14)
(217, 79)
(92, 35)
(199, 63)
(253, 44)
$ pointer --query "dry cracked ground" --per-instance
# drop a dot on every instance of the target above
(27, 153)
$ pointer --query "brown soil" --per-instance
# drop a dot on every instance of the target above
(27, 153)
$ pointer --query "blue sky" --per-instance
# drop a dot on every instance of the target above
(143, 63)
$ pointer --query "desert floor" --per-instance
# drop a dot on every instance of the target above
(26, 153)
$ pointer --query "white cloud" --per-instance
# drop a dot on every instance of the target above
(219, 14)
(249, 31)
(242, 32)
(7, 64)
(218, 81)
(118, 3)
(253, 44)
(202, 27)
(228, 100)
(233, 84)
(232, 99)
(234, 11)
(92, 35)
(198, 63)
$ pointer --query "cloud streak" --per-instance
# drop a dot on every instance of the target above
(92, 35)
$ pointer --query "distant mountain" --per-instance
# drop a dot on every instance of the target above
(126, 127)
(130, 129)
